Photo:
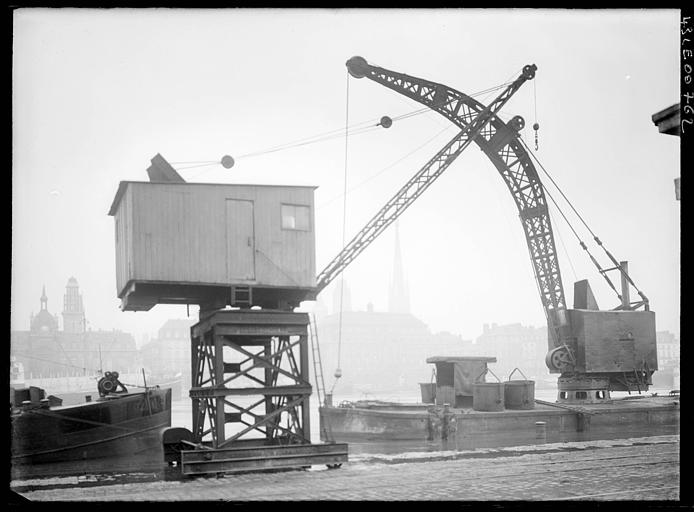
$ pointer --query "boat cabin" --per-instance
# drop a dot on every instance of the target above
(455, 377)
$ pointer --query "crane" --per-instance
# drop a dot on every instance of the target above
(595, 351)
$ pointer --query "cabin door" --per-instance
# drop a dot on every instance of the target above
(240, 240)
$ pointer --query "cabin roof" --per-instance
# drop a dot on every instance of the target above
(124, 184)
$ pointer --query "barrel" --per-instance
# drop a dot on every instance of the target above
(428, 392)
(488, 396)
(519, 394)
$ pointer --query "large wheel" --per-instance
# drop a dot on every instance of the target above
(558, 359)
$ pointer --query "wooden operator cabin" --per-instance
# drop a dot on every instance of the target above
(214, 245)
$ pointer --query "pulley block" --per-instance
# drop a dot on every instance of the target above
(357, 67)
(386, 122)
(559, 359)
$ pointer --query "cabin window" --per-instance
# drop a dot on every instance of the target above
(296, 217)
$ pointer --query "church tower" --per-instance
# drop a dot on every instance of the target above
(399, 295)
(43, 323)
(73, 311)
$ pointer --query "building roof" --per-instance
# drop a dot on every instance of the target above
(124, 185)
(668, 120)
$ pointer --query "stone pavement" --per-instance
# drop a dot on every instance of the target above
(635, 469)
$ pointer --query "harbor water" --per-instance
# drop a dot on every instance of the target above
(149, 466)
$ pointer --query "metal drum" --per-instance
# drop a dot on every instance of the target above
(519, 394)
(428, 392)
(487, 396)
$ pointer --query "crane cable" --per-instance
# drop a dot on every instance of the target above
(580, 241)
(536, 125)
(338, 371)
(389, 166)
(357, 129)
(595, 237)
(583, 245)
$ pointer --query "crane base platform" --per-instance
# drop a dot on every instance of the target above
(205, 460)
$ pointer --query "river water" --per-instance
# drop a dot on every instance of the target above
(150, 466)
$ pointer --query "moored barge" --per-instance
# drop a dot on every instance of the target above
(117, 423)
(464, 409)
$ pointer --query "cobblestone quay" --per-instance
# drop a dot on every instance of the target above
(628, 469)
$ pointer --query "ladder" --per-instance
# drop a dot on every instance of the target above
(320, 383)
(317, 363)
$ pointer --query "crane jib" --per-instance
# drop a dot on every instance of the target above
(481, 125)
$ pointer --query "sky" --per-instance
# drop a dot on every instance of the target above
(97, 93)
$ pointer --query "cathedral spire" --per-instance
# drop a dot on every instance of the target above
(44, 299)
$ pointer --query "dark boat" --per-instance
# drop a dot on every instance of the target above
(118, 423)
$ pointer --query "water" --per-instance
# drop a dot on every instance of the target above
(151, 466)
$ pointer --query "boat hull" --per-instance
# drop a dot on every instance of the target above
(622, 418)
(126, 425)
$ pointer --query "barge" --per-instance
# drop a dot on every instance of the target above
(117, 423)
(464, 409)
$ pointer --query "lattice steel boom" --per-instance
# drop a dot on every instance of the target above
(500, 142)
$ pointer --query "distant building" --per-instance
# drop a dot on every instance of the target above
(342, 297)
(381, 353)
(668, 349)
(168, 354)
(515, 346)
(74, 320)
(668, 374)
(46, 351)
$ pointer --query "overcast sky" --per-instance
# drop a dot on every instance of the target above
(97, 93)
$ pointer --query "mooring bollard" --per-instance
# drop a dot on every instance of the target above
(431, 415)
(445, 427)
(541, 431)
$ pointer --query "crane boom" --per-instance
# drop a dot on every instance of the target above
(594, 350)
(476, 121)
